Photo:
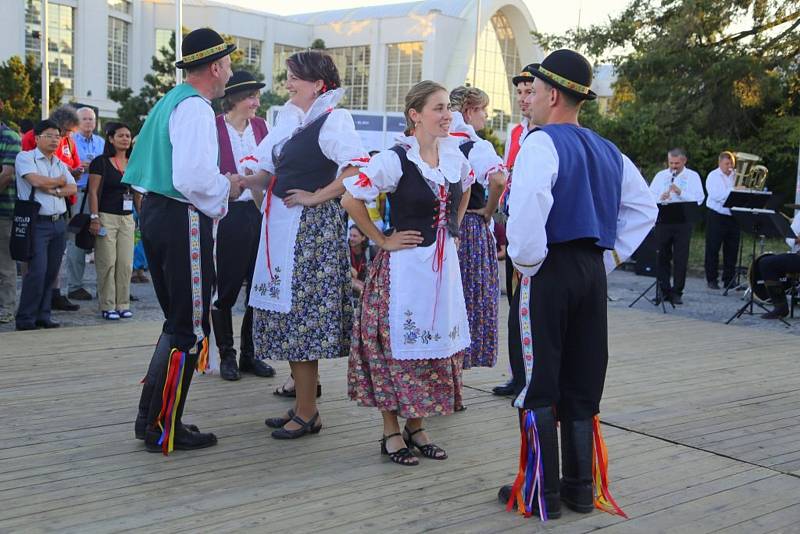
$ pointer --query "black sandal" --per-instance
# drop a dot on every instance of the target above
(291, 393)
(402, 456)
(306, 427)
(278, 422)
(434, 452)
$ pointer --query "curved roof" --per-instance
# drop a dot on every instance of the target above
(452, 8)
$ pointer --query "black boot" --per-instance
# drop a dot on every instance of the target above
(503, 390)
(185, 437)
(548, 443)
(157, 362)
(778, 297)
(222, 322)
(247, 359)
(577, 441)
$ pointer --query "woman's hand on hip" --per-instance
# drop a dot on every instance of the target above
(402, 240)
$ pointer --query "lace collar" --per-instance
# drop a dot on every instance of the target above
(291, 119)
(451, 159)
(461, 130)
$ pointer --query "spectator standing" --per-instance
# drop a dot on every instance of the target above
(89, 146)
(9, 148)
(111, 213)
(53, 183)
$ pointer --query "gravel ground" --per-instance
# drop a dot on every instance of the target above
(623, 287)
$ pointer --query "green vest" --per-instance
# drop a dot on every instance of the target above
(150, 165)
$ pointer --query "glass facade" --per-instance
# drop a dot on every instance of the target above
(118, 40)
(403, 70)
(123, 6)
(162, 42)
(353, 65)
(251, 50)
(497, 62)
(60, 40)
(280, 53)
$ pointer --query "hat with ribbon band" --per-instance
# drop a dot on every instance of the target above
(526, 75)
(567, 71)
(202, 46)
(242, 81)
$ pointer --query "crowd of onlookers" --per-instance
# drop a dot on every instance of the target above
(68, 169)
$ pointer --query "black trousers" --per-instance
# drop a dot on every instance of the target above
(721, 231)
(673, 242)
(773, 268)
(165, 235)
(570, 332)
(237, 247)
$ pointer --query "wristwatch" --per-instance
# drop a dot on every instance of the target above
(94, 216)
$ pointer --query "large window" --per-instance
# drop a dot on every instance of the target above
(497, 62)
(60, 40)
(163, 37)
(118, 39)
(251, 50)
(123, 6)
(280, 53)
(403, 71)
(353, 65)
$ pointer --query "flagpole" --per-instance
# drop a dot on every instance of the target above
(477, 36)
(178, 38)
(45, 64)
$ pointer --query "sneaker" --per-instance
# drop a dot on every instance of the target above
(125, 314)
(111, 315)
(60, 302)
(80, 294)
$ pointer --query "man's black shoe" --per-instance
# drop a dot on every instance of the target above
(47, 324)
(504, 390)
(60, 302)
(80, 294)
(713, 285)
(249, 364)
(184, 440)
(140, 426)
(228, 369)
(23, 327)
(553, 506)
(676, 298)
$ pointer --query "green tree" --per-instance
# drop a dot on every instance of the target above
(708, 75)
(15, 92)
(34, 69)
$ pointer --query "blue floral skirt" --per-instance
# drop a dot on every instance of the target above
(477, 257)
(319, 323)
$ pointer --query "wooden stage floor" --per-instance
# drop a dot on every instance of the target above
(702, 424)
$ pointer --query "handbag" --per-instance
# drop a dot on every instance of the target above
(79, 225)
(23, 228)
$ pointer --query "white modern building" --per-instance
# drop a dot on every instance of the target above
(381, 51)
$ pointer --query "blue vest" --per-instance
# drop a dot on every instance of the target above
(587, 193)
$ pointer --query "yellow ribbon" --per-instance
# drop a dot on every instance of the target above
(565, 82)
(204, 53)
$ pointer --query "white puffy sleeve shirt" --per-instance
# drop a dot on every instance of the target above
(195, 173)
(536, 172)
(484, 161)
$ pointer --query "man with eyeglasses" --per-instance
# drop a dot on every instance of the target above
(52, 182)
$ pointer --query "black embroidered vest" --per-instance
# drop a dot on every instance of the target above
(302, 164)
(414, 205)
(477, 193)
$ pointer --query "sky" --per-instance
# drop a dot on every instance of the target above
(550, 17)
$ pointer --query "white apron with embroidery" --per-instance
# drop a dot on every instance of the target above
(273, 291)
(420, 325)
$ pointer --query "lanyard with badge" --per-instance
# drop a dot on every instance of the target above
(127, 197)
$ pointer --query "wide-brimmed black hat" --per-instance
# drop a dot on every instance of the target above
(242, 81)
(567, 71)
(526, 75)
(202, 46)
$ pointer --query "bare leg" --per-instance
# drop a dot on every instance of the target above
(392, 426)
(305, 385)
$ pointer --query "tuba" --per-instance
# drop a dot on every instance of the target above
(749, 174)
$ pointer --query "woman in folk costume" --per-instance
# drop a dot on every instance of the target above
(477, 253)
(579, 207)
(412, 328)
(301, 292)
(239, 131)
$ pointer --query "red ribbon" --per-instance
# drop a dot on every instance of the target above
(363, 180)
(441, 240)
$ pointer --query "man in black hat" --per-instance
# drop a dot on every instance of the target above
(239, 132)
(174, 163)
(524, 86)
(579, 208)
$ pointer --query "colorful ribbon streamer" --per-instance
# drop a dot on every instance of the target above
(602, 496)
(529, 484)
(170, 398)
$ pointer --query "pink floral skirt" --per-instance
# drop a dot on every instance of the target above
(409, 388)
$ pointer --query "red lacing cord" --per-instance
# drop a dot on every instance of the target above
(441, 240)
(266, 223)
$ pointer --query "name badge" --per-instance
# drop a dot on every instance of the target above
(127, 202)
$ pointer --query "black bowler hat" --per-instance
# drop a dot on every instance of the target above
(202, 46)
(526, 75)
(242, 81)
(567, 71)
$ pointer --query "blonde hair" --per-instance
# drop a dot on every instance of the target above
(463, 98)
(416, 99)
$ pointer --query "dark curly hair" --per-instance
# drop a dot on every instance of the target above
(313, 65)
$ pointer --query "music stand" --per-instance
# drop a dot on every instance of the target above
(759, 222)
(744, 198)
(668, 213)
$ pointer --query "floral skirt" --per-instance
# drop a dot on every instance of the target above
(319, 323)
(477, 257)
(409, 388)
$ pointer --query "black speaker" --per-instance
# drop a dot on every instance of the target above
(645, 256)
